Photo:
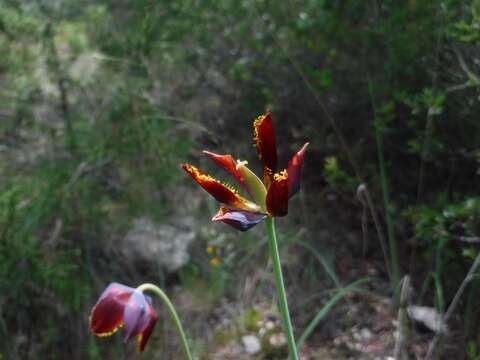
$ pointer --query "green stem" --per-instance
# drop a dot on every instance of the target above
(168, 304)
(282, 296)
(392, 242)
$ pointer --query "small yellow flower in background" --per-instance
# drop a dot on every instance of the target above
(215, 261)
(210, 249)
(331, 164)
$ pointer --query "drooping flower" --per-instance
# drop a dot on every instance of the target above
(269, 198)
(121, 305)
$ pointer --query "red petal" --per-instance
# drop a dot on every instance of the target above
(240, 220)
(107, 314)
(228, 163)
(138, 316)
(219, 191)
(277, 195)
(294, 170)
(264, 139)
(147, 330)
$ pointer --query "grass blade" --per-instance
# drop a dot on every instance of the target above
(340, 294)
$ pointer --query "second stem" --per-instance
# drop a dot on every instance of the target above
(282, 296)
(171, 309)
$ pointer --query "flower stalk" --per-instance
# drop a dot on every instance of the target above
(269, 199)
(176, 320)
(282, 296)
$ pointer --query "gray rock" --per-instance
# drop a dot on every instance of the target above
(165, 244)
(428, 316)
(251, 343)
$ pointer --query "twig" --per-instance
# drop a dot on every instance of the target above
(428, 125)
(85, 168)
(364, 195)
(458, 87)
(463, 65)
(364, 218)
(404, 332)
(468, 239)
(438, 336)
(472, 79)
(58, 72)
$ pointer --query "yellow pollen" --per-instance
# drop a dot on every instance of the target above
(229, 187)
(256, 138)
(282, 175)
(258, 120)
(139, 342)
(110, 332)
(204, 177)
(200, 175)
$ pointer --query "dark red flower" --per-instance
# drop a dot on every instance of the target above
(121, 305)
(270, 197)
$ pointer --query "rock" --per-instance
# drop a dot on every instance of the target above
(428, 316)
(164, 244)
(366, 334)
(251, 343)
(277, 340)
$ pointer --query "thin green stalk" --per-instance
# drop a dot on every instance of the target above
(340, 294)
(282, 296)
(392, 242)
(323, 261)
(168, 304)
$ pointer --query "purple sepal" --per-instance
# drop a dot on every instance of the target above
(136, 315)
(239, 219)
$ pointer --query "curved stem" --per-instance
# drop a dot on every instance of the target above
(282, 296)
(168, 304)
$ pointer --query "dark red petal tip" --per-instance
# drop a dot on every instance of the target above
(147, 331)
(294, 170)
(277, 195)
(264, 139)
(240, 220)
(107, 314)
(228, 163)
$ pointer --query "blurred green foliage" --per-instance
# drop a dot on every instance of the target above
(100, 100)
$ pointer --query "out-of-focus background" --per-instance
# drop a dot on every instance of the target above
(101, 100)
